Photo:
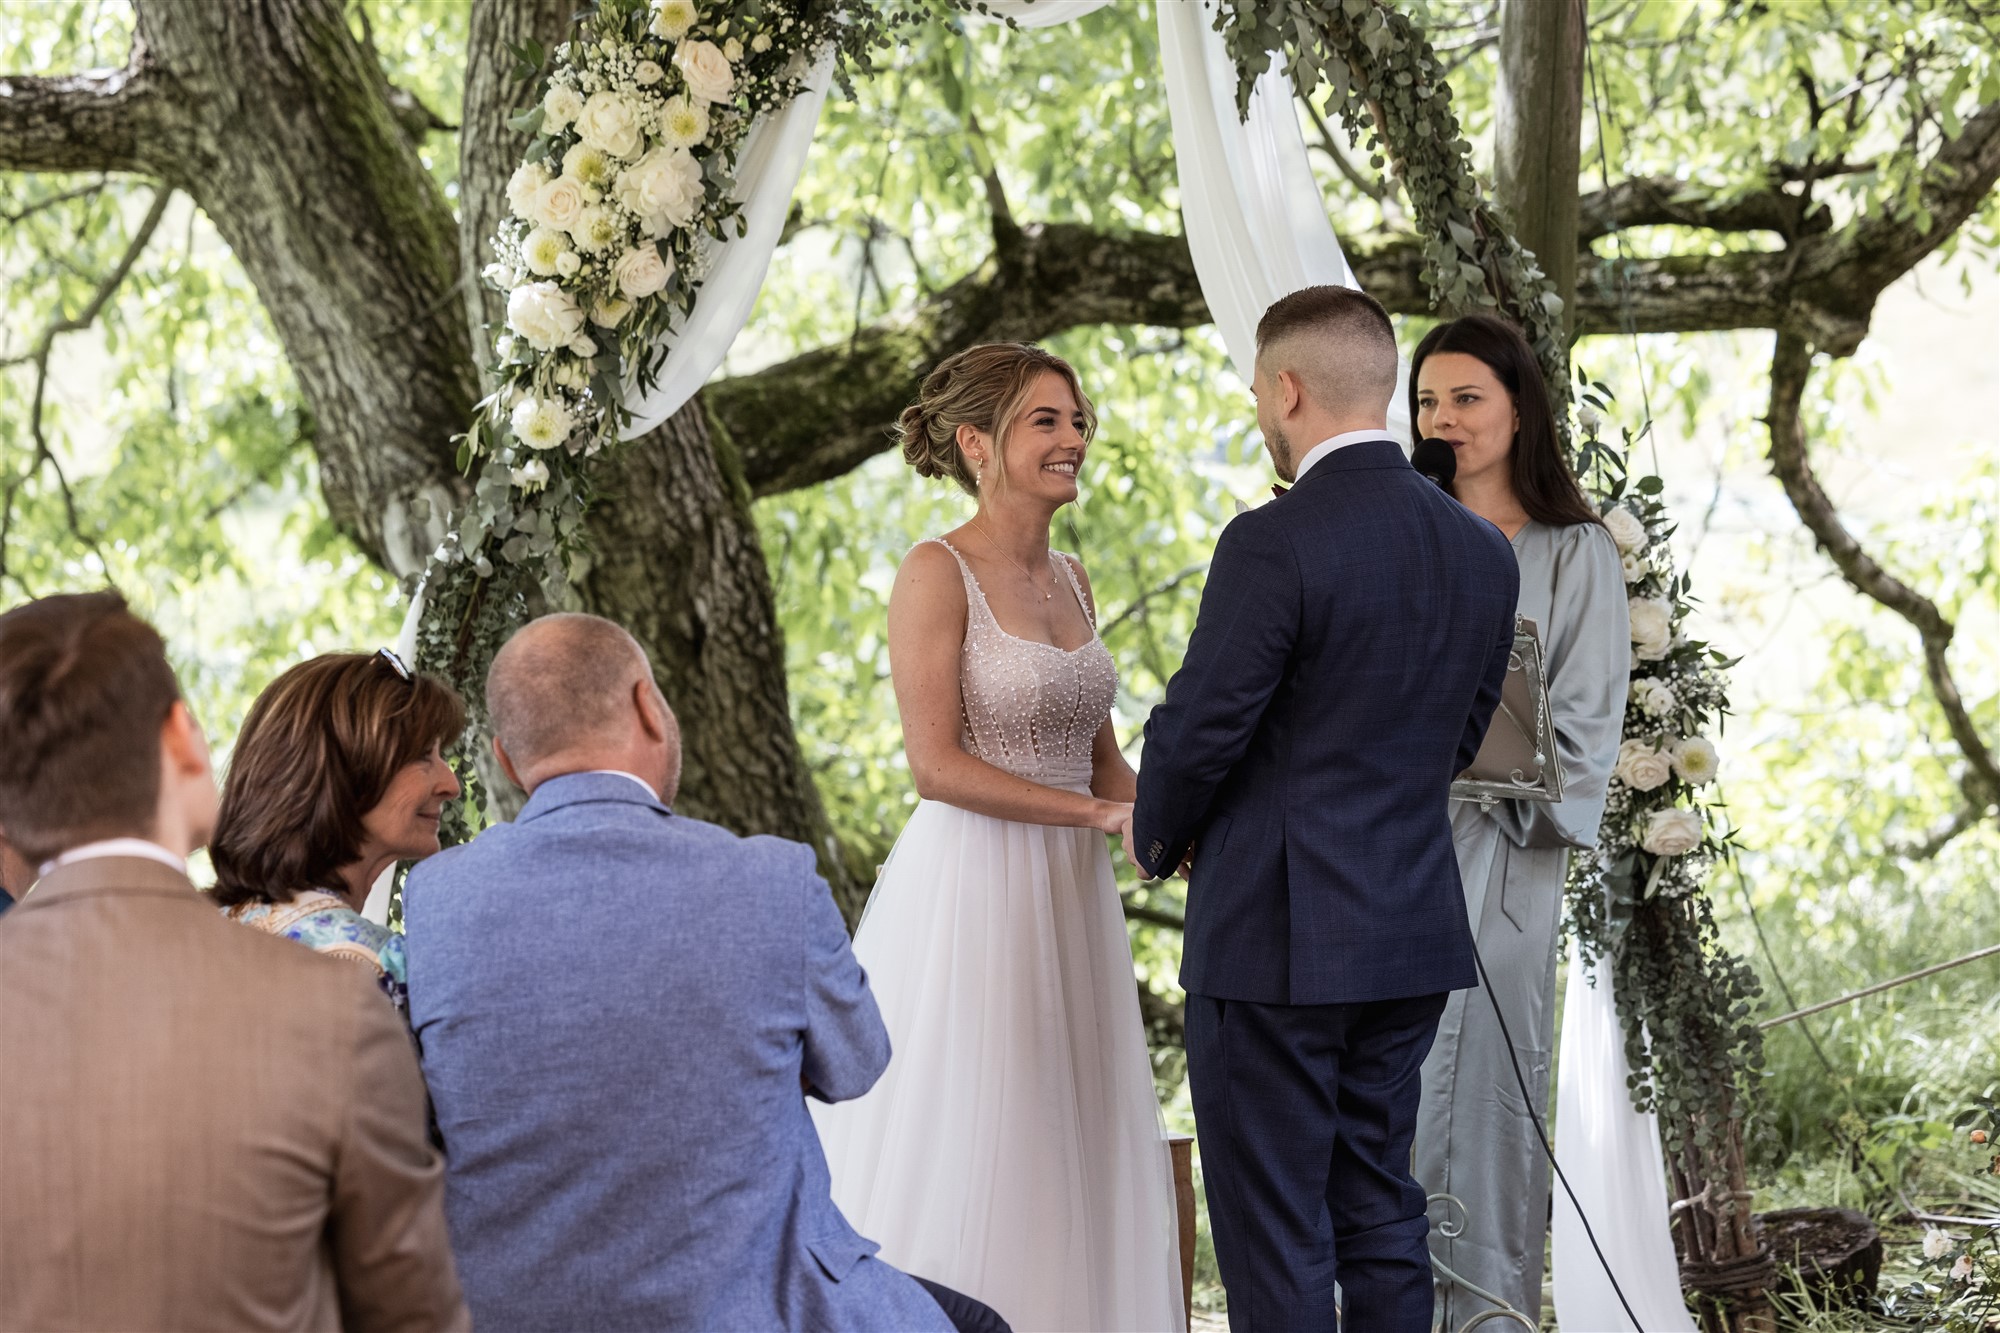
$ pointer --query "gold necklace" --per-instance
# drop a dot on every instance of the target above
(1046, 596)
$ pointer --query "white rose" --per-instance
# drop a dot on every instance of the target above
(503, 347)
(641, 272)
(1626, 529)
(1641, 767)
(587, 164)
(683, 123)
(647, 73)
(530, 476)
(498, 276)
(1654, 698)
(663, 188)
(673, 18)
(1937, 1244)
(732, 51)
(1695, 761)
(609, 123)
(582, 347)
(1652, 627)
(761, 43)
(597, 230)
(560, 106)
(561, 202)
(524, 186)
(567, 263)
(541, 423)
(1589, 418)
(706, 70)
(1671, 832)
(1634, 567)
(542, 252)
(1962, 1268)
(543, 313)
(610, 314)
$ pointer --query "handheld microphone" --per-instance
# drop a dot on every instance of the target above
(1436, 460)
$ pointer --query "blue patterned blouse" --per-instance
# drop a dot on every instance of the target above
(322, 922)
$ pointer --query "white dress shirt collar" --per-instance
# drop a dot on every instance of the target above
(141, 847)
(646, 786)
(1341, 441)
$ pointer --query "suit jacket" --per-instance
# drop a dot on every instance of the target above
(618, 1008)
(1347, 658)
(203, 1126)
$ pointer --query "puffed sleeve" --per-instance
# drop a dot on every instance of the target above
(1587, 654)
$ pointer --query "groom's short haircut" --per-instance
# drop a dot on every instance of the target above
(1338, 341)
(562, 681)
(85, 688)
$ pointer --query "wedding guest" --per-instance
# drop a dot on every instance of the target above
(1475, 383)
(618, 1009)
(205, 1128)
(337, 775)
(15, 875)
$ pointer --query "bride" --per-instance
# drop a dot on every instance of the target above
(1013, 1150)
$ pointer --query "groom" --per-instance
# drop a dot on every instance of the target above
(1346, 661)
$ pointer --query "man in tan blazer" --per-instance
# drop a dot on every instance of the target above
(206, 1127)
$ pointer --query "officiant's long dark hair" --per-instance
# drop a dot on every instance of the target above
(1541, 478)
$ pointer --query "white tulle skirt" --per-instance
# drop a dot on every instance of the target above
(1014, 1149)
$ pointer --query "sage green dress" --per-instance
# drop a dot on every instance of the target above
(1475, 1140)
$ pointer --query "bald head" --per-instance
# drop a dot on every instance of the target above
(1326, 364)
(571, 693)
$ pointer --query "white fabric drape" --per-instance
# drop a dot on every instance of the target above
(767, 174)
(1611, 1156)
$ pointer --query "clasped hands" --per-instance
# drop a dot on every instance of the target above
(1120, 823)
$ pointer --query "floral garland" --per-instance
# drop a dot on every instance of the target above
(1637, 903)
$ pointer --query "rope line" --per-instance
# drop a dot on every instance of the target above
(1879, 987)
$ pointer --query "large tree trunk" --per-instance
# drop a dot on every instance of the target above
(1537, 133)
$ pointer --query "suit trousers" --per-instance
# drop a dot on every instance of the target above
(1305, 1116)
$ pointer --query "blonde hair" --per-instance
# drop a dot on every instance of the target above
(983, 387)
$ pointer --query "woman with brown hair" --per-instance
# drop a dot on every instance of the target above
(1475, 383)
(337, 775)
(1013, 1148)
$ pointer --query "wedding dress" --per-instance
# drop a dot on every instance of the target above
(1013, 1150)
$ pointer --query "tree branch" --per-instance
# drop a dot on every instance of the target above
(1651, 201)
(100, 120)
(1791, 366)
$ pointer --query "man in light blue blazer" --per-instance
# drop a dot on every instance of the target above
(621, 1012)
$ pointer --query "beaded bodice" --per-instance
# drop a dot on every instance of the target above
(1031, 708)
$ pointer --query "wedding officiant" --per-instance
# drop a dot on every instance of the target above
(1475, 383)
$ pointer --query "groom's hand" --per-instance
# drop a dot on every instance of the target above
(1131, 848)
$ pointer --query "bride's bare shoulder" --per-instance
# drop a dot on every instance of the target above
(930, 583)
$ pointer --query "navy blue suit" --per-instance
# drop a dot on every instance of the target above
(1347, 659)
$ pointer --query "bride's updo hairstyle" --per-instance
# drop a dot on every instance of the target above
(983, 387)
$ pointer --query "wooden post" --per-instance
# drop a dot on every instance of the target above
(1182, 1149)
(1538, 133)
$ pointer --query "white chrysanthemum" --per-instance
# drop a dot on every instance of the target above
(592, 166)
(642, 272)
(706, 70)
(1695, 761)
(530, 476)
(610, 123)
(683, 122)
(542, 252)
(560, 106)
(543, 313)
(523, 187)
(1654, 698)
(1652, 627)
(561, 202)
(542, 423)
(1641, 767)
(1937, 1244)
(1626, 528)
(1671, 832)
(673, 18)
(597, 230)
(610, 314)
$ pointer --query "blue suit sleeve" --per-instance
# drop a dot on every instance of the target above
(1243, 638)
(846, 1044)
(1487, 701)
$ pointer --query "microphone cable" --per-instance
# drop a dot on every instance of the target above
(1542, 1132)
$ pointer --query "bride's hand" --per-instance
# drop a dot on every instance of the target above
(1113, 817)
